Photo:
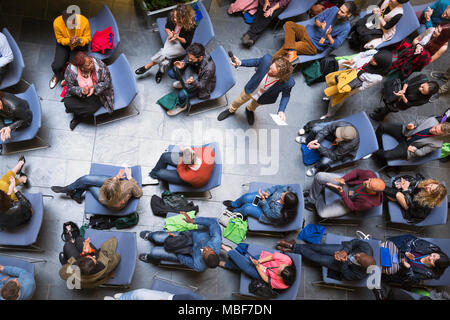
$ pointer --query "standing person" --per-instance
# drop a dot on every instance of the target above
(6, 55)
(272, 77)
(22, 287)
(180, 28)
(268, 11)
(89, 86)
(329, 30)
(72, 34)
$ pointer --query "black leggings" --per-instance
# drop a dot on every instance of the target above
(62, 55)
(394, 130)
(74, 249)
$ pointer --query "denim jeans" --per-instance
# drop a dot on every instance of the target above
(239, 262)
(322, 254)
(181, 95)
(158, 252)
(244, 205)
(90, 182)
(161, 172)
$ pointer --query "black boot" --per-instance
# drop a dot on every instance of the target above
(224, 114)
(250, 116)
(75, 121)
(158, 76)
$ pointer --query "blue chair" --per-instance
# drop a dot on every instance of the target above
(295, 8)
(255, 226)
(23, 238)
(29, 133)
(437, 216)
(288, 294)
(444, 280)
(203, 33)
(216, 176)
(92, 206)
(344, 284)
(225, 80)
(14, 68)
(14, 262)
(100, 22)
(407, 25)
(160, 284)
(125, 88)
(127, 248)
(367, 138)
(331, 196)
(390, 142)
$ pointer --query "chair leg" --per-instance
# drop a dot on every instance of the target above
(268, 234)
(15, 147)
(134, 113)
(416, 230)
(189, 113)
(115, 286)
(32, 248)
(30, 259)
(331, 286)
(175, 267)
(195, 289)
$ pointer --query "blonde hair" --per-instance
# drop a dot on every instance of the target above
(185, 16)
(111, 189)
(430, 199)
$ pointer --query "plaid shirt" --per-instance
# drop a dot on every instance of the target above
(408, 62)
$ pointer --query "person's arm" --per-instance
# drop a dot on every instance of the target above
(136, 191)
(356, 245)
(339, 38)
(283, 3)
(61, 38)
(439, 53)
(25, 278)
(355, 175)
(388, 25)
(24, 202)
(213, 226)
(251, 62)
(188, 261)
(400, 197)
(86, 32)
(72, 83)
(5, 51)
(321, 17)
(369, 80)
(105, 82)
(421, 152)
(285, 96)
(204, 79)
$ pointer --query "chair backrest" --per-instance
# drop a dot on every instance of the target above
(31, 96)
(124, 82)
(14, 262)
(295, 8)
(225, 78)
(205, 31)
(103, 20)
(15, 68)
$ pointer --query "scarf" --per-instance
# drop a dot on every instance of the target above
(383, 59)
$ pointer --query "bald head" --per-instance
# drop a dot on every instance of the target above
(365, 260)
(375, 185)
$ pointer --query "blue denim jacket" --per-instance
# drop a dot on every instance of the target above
(271, 207)
(26, 280)
(208, 235)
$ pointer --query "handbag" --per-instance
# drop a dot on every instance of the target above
(389, 87)
(225, 217)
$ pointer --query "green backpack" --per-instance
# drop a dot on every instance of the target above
(127, 221)
(170, 100)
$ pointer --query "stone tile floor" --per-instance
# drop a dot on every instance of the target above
(140, 140)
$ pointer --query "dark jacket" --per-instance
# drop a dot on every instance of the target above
(361, 202)
(19, 213)
(206, 80)
(415, 274)
(160, 208)
(412, 94)
(270, 96)
(17, 110)
(344, 150)
(348, 270)
(185, 34)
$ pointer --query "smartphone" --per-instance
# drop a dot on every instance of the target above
(256, 201)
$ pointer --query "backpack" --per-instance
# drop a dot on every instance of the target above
(180, 244)
(328, 65)
(261, 289)
(66, 236)
(160, 208)
(127, 221)
(170, 100)
(102, 222)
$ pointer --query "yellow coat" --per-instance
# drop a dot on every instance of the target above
(339, 90)
(63, 34)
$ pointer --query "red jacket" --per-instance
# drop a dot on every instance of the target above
(361, 202)
(201, 176)
(102, 40)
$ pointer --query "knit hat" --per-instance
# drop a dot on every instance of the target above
(346, 133)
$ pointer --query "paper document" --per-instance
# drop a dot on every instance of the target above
(277, 120)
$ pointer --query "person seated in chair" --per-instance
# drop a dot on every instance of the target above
(15, 114)
(204, 247)
(6, 55)
(272, 77)
(73, 35)
(418, 260)
(329, 30)
(350, 258)
(416, 196)
(344, 138)
(415, 139)
(416, 91)
(95, 267)
(276, 269)
(360, 190)
(112, 192)
(201, 64)
(18, 285)
(437, 13)
(180, 28)
(276, 206)
(194, 167)
(89, 86)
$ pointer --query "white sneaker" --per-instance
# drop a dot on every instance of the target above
(367, 157)
(326, 98)
(311, 172)
(323, 117)
(301, 140)
(108, 298)
(117, 296)
(53, 82)
(149, 181)
(301, 132)
(177, 85)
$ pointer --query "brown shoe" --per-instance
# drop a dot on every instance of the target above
(292, 55)
(53, 81)
(284, 249)
(286, 243)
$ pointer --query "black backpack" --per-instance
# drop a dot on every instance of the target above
(180, 244)
(261, 289)
(74, 232)
(328, 65)
(102, 222)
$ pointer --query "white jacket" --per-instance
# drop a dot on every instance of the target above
(5, 51)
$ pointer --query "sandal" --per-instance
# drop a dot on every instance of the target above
(22, 158)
